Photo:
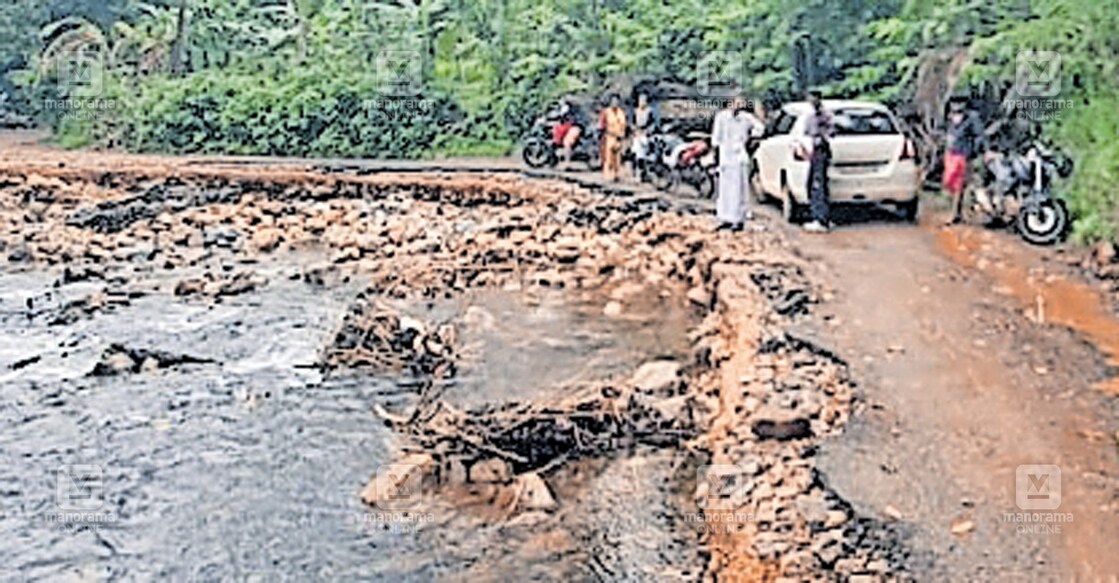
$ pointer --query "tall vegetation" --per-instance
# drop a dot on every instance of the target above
(309, 76)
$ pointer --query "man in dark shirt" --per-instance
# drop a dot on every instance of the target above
(964, 138)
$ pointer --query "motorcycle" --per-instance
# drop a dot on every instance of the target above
(1018, 191)
(542, 148)
(691, 162)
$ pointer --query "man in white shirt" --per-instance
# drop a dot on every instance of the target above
(732, 128)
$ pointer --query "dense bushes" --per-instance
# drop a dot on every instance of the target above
(300, 112)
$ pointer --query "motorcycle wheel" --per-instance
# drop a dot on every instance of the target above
(537, 153)
(1043, 223)
(594, 163)
(661, 177)
(706, 186)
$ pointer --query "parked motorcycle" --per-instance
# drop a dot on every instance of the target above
(542, 148)
(1018, 191)
(691, 162)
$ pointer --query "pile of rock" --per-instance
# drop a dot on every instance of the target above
(376, 338)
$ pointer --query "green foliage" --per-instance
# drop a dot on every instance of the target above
(300, 112)
(295, 76)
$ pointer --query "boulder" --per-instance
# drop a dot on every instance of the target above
(489, 470)
(535, 493)
(657, 376)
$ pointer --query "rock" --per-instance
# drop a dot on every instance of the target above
(962, 526)
(878, 566)
(782, 430)
(835, 518)
(489, 470)
(699, 296)
(535, 493)
(770, 544)
(266, 239)
(527, 519)
(812, 506)
(384, 490)
(1105, 252)
(119, 359)
(892, 513)
(612, 309)
(848, 565)
(190, 287)
(673, 408)
(657, 376)
(828, 547)
(114, 364)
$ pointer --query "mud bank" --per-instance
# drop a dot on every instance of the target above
(691, 459)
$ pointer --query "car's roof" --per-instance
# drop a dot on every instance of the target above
(803, 107)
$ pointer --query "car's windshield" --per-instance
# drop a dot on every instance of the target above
(863, 122)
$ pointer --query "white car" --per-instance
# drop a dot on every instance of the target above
(872, 161)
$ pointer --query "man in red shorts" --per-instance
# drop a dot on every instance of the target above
(964, 139)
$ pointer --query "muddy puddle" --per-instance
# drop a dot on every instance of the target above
(1044, 296)
(244, 461)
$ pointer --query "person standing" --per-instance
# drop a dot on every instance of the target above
(644, 124)
(964, 139)
(612, 122)
(819, 130)
(730, 132)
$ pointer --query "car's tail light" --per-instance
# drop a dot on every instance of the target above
(800, 152)
(908, 150)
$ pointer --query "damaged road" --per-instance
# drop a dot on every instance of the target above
(592, 385)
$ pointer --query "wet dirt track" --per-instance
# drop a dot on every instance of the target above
(914, 487)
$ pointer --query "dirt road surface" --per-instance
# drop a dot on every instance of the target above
(966, 381)
(974, 356)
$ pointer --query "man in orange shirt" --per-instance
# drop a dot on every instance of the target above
(612, 122)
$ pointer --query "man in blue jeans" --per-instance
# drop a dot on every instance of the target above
(819, 131)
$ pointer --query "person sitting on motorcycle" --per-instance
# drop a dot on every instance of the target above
(569, 126)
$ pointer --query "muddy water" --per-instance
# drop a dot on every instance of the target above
(248, 467)
(1045, 297)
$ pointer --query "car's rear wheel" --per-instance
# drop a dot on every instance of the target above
(909, 209)
(756, 190)
(790, 208)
